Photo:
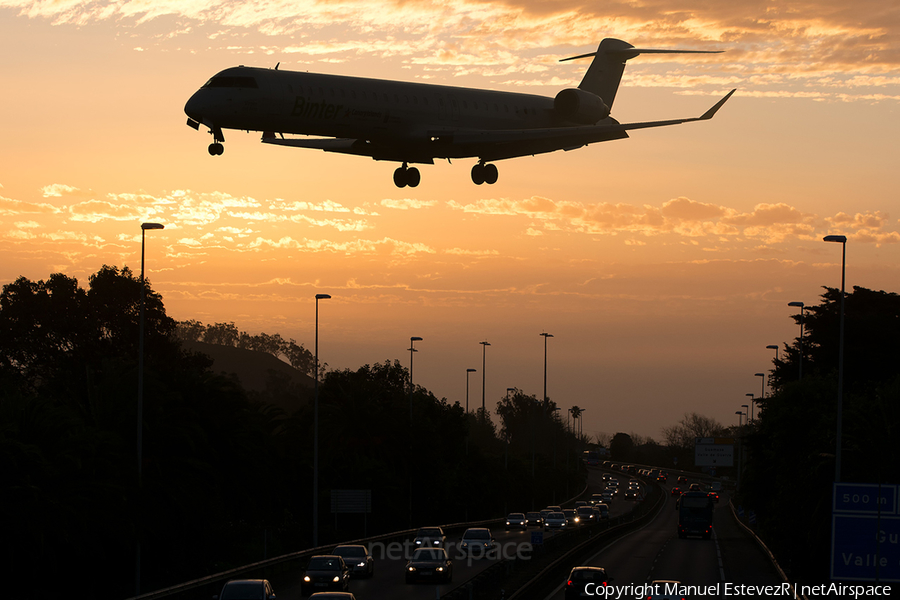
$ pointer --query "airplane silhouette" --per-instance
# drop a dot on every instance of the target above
(415, 123)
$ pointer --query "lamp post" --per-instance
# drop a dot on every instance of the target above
(752, 400)
(740, 446)
(801, 306)
(842, 239)
(762, 384)
(467, 389)
(140, 399)
(545, 336)
(484, 346)
(775, 348)
(412, 348)
(315, 515)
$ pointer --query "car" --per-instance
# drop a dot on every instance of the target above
(586, 515)
(632, 494)
(325, 572)
(332, 596)
(596, 498)
(581, 503)
(246, 589)
(516, 521)
(555, 520)
(662, 587)
(544, 513)
(606, 497)
(534, 519)
(584, 581)
(477, 541)
(634, 483)
(554, 508)
(695, 487)
(682, 479)
(428, 564)
(431, 537)
(358, 559)
(676, 491)
(571, 517)
(714, 496)
(661, 477)
(603, 510)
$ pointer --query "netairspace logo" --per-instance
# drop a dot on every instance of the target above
(785, 590)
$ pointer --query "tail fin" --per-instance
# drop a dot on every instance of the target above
(605, 73)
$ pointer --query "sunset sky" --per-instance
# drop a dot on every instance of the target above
(662, 264)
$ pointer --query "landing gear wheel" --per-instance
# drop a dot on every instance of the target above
(478, 174)
(400, 179)
(216, 149)
(490, 174)
(412, 177)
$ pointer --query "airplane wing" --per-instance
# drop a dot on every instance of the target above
(510, 143)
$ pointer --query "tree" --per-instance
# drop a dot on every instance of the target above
(621, 447)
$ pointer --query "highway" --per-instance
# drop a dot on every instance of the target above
(650, 553)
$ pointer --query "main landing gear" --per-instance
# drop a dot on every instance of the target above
(484, 173)
(406, 176)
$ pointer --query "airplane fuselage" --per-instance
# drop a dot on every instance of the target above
(382, 111)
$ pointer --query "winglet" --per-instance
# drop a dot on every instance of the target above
(712, 111)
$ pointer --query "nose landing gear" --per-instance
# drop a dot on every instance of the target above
(406, 176)
(484, 173)
(216, 148)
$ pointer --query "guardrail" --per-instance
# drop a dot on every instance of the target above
(768, 552)
(205, 587)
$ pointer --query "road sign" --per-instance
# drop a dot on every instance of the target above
(713, 452)
(865, 532)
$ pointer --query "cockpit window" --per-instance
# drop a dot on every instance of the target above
(231, 82)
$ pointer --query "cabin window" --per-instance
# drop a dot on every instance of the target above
(425, 100)
(321, 92)
(465, 105)
(386, 100)
(405, 99)
(505, 108)
(496, 107)
(353, 94)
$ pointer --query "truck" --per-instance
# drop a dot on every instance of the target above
(695, 514)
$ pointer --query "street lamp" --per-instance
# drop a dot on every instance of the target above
(740, 446)
(775, 348)
(752, 400)
(140, 402)
(467, 389)
(316, 432)
(545, 335)
(412, 349)
(842, 239)
(484, 346)
(801, 306)
(762, 384)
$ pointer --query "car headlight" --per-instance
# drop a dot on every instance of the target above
(437, 542)
(336, 579)
(307, 579)
(361, 564)
(418, 542)
(412, 569)
(439, 569)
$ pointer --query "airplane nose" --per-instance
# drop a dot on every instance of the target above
(193, 107)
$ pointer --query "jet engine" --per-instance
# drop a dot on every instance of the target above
(582, 107)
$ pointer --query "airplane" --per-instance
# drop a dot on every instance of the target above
(416, 123)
